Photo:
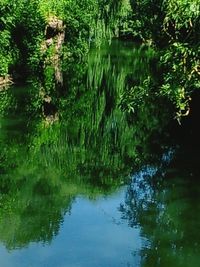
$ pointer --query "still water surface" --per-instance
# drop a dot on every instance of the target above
(99, 187)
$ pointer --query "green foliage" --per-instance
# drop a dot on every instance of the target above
(173, 28)
(183, 18)
(181, 75)
(22, 28)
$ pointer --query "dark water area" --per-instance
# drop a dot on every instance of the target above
(98, 181)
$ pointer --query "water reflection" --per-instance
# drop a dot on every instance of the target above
(62, 181)
(166, 207)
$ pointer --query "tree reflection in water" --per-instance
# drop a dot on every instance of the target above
(163, 201)
(90, 151)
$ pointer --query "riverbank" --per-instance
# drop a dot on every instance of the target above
(40, 47)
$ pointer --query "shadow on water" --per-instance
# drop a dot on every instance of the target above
(60, 179)
(163, 200)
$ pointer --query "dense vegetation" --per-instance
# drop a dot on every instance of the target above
(96, 139)
(22, 29)
(171, 27)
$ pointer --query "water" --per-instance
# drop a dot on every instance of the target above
(100, 186)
